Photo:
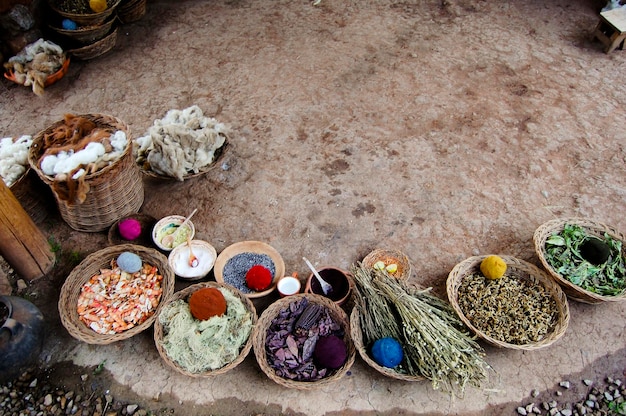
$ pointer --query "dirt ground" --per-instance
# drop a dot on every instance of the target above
(444, 129)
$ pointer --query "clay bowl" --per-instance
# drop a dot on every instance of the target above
(340, 280)
(254, 247)
(179, 260)
(171, 222)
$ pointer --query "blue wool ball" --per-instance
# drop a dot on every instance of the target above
(387, 352)
(129, 262)
(68, 24)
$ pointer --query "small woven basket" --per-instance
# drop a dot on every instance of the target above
(472, 266)
(260, 335)
(114, 192)
(357, 338)
(592, 228)
(87, 35)
(131, 10)
(86, 19)
(90, 266)
(97, 48)
(184, 294)
(389, 257)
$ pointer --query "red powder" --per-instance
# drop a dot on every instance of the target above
(258, 278)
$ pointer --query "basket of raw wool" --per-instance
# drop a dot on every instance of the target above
(131, 10)
(303, 342)
(87, 162)
(115, 293)
(587, 258)
(205, 329)
(508, 302)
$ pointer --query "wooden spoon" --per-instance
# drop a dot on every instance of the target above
(168, 240)
(193, 260)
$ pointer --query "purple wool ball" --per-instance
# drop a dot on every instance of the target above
(331, 352)
(129, 229)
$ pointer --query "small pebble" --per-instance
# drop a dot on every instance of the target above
(566, 412)
(21, 285)
(590, 404)
(534, 393)
(558, 393)
(521, 411)
(131, 408)
(587, 382)
(565, 384)
(608, 396)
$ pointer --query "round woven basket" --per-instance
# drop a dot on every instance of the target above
(357, 338)
(521, 268)
(184, 294)
(91, 266)
(260, 335)
(592, 228)
(390, 257)
(86, 19)
(131, 10)
(97, 48)
(87, 35)
(144, 239)
(115, 191)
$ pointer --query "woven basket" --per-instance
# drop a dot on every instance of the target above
(260, 335)
(97, 48)
(115, 191)
(91, 266)
(33, 195)
(87, 35)
(390, 257)
(184, 294)
(145, 238)
(88, 19)
(357, 338)
(592, 228)
(472, 265)
(131, 10)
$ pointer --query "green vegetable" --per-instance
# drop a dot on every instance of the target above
(564, 255)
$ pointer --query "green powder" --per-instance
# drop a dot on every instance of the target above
(199, 346)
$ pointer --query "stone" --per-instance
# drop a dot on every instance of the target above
(587, 382)
(565, 384)
(47, 401)
(131, 408)
(566, 412)
(521, 411)
(21, 285)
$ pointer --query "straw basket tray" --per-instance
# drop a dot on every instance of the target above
(389, 257)
(97, 48)
(91, 266)
(522, 268)
(131, 10)
(86, 35)
(592, 228)
(86, 19)
(357, 338)
(184, 294)
(260, 336)
(114, 192)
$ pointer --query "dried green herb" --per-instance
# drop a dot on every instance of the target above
(563, 253)
(437, 345)
(513, 309)
(77, 6)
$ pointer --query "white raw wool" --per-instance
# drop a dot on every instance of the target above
(182, 142)
(14, 158)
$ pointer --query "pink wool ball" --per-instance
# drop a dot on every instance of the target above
(130, 229)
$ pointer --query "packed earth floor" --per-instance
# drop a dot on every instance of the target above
(444, 129)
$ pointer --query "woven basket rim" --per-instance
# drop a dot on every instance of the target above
(357, 338)
(63, 13)
(403, 260)
(260, 335)
(471, 264)
(573, 291)
(97, 48)
(82, 30)
(183, 294)
(86, 269)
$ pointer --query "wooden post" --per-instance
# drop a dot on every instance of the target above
(22, 244)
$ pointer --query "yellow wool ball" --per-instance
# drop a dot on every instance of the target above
(98, 5)
(493, 267)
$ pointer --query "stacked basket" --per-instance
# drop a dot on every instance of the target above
(131, 10)
(115, 191)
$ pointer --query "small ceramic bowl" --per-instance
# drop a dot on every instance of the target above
(340, 281)
(288, 286)
(179, 260)
(168, 225)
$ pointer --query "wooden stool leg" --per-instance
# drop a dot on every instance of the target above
(615, 42)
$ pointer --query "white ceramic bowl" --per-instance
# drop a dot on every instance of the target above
(167, 225)
(179, 260)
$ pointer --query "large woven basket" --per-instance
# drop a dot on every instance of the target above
(114, 192)
(388, 256)
(91, 266)
(357, 338)
(592, 228)
(86, 19)
(87, 35)
(184, 294)
(131, 10)
(521, 268)
(260, 335)
(96, 49)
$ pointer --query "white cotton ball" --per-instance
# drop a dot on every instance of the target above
(78, 174)
(118, 141)
(89, 154)
(48, 163)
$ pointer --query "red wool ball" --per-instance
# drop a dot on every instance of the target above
(129, 228)
(258, 278)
